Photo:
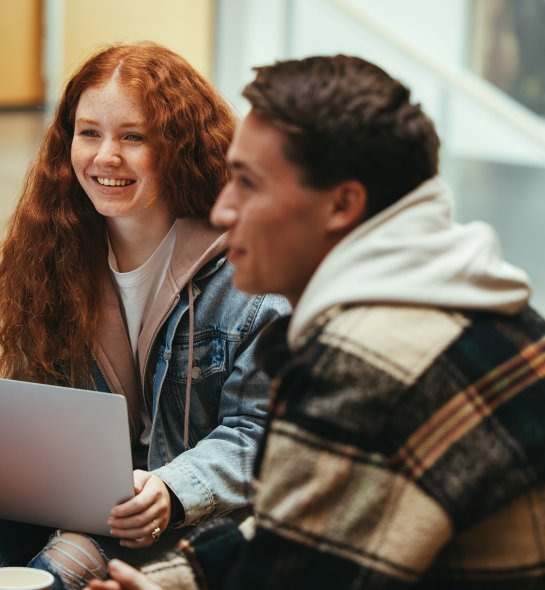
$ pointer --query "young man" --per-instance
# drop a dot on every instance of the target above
(407, 433)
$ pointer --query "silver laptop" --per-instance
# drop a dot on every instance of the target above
(65, 456)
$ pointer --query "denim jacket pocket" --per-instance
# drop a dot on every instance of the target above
(209, 358)
(208, 374)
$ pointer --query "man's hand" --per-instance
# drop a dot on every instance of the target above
(124, 577)
(148, 512)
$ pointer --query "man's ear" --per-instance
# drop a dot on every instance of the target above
(348, 205)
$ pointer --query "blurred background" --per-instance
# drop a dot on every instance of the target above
(476, 66)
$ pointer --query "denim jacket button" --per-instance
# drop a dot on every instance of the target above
(195, 373)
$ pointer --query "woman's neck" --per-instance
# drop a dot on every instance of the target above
(134, 240)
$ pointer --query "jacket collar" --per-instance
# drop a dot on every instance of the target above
(197, 243)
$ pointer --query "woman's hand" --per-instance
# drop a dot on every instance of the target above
(124, 577)
(148, 512)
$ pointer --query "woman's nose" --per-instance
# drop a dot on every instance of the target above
(109, 153)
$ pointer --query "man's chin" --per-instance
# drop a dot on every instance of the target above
(247, 286)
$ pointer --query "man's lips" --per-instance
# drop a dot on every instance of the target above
(235, 253)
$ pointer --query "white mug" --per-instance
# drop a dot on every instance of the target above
(24, 578)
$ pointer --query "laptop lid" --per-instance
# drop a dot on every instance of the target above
(65, 456)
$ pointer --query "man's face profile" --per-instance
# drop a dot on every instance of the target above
(277, 225)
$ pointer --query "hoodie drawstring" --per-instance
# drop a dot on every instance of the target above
(189, 364)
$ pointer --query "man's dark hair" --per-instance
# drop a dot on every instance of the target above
(347, 119)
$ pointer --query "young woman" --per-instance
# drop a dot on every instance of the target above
(111, 278)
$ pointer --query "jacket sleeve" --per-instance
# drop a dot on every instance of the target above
(213, 477)
(202, 558)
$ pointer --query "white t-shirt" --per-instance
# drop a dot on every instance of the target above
(138, 289)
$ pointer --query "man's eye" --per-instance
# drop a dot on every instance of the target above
(245, 182)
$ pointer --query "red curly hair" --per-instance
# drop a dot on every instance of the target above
(55, 246)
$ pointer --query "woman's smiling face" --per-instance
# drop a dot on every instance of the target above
(111, 154)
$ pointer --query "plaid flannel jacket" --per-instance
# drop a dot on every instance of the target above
(405, 449)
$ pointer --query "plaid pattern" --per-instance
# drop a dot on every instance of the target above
(406, 449)
(471, 406)
(171, 572)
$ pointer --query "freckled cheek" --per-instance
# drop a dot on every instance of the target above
(74, 155)
(81, 160)
(76, 164)
(78, 157)
(151, 167)
(79, 168)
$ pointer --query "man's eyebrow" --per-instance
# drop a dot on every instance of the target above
(242, 167)
(237, 165)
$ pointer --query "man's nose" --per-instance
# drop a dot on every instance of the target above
(224, 213)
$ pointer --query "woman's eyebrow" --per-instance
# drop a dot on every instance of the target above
(87, 121)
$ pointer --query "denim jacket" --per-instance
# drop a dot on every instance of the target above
(228, 396)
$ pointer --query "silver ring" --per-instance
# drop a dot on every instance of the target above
(156, 532)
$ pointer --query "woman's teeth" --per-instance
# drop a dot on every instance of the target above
(114, 181)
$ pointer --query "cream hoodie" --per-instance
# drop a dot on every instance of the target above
(413, 253)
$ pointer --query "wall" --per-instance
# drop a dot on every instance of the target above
(20, 55)
(76, 28)
(437, 28)
(424, 43)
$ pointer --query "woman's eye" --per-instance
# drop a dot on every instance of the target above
(88, 133)
(134, 137)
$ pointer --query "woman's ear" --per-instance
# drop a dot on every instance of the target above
(348, 205)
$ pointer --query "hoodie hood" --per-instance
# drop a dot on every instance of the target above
(413, 253)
